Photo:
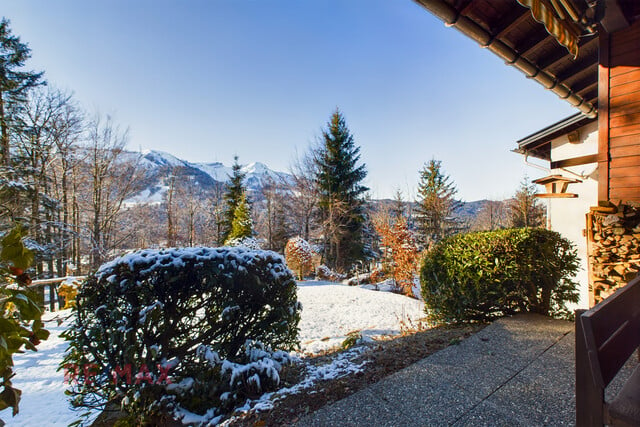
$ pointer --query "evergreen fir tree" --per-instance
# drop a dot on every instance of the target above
(339, 179)
(524, 210)
(232, 198)
(16, 187)
(14, 84)
(435, 204)
(242, 226)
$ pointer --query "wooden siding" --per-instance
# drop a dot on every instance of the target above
(623, 115)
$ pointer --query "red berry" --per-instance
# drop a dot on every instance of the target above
(16, 271)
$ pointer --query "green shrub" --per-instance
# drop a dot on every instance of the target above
(479, 276)
(204, 319)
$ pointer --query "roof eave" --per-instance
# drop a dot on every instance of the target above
(538, 144)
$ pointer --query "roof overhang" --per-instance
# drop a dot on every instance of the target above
(538, 144)
(510, 30)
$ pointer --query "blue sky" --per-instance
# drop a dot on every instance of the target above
(207, 80)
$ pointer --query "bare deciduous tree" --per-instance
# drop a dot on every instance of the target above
(304, 194)
(41, 124)
(112, 179)
(66, 131)
(524, 209)
(271, 223)
(492, 216)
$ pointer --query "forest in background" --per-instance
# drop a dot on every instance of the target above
(65, 173)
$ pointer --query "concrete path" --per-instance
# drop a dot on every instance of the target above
(516, 371)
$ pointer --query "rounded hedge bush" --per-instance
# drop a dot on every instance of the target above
(483, 275)
(182, 331)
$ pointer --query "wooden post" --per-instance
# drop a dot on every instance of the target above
(589, 397)
(40, 292)
(603, 117)
(52, 297)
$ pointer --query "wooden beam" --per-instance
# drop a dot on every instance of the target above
(576, 161)
(552, 59)
(584, 83)
(592, 96)
(577, 68)
(603, 118)
(588, 92)
(464, 6)
(532, 43)
(561, 53)
(556, 195)
(509, 22)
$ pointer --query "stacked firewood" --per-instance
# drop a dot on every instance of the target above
(614, 247)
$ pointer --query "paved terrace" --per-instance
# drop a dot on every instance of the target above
(516, 371)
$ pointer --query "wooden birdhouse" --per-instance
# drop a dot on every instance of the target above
(556, 186)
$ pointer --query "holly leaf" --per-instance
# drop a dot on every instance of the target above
(9, 398)
(14, 250)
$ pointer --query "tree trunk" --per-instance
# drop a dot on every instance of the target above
(75, 214)
(192, 226)
(4, 143)
(96, 234)
(171, 232)
(64, 236)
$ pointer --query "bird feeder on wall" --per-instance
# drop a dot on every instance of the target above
(556, 186)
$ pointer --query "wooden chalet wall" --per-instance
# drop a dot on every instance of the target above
(619, 115)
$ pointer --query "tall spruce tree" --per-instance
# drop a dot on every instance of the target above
(435, 204)
(339, 178)
(14, 84)
(232, 198)
(524, 210)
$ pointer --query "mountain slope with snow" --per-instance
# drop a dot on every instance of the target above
(158, 167)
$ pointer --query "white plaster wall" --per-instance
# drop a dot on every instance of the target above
(568, 216)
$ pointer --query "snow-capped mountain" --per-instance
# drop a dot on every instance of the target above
(159, 167)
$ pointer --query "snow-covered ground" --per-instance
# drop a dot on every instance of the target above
(43, 400)
(330, 311)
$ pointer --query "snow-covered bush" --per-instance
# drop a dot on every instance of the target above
(255, 371)
(246, 242)
(358, 279)
(325, 273)
(299, 256)
(165, 331)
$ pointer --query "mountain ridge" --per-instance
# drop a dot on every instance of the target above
(159, 166)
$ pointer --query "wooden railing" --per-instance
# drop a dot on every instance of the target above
(606, 337)
(48, 291)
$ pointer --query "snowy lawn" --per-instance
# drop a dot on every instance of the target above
(43, 400)
(330, 311)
